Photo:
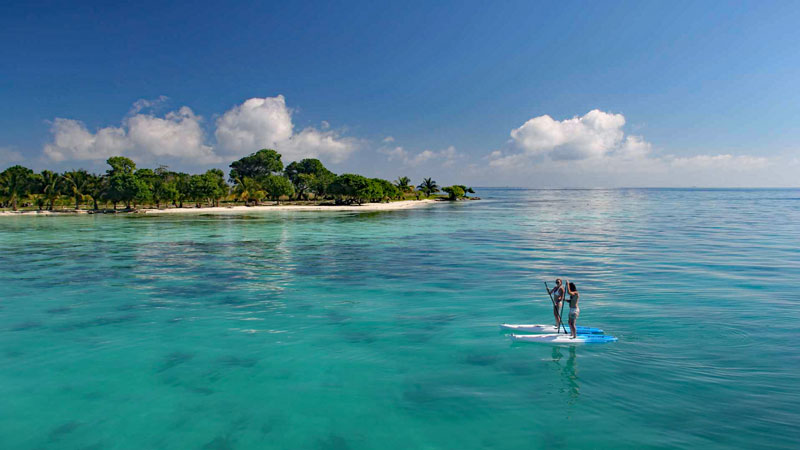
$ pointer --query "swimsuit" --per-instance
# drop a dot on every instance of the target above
(574, 310)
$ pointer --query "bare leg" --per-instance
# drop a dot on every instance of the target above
(558, 318)
(572, 328)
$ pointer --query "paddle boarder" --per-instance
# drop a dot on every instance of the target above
(558, 296)
(574, 310)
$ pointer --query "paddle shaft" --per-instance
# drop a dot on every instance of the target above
(561, 312)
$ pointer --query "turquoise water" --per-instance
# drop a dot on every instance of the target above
(380, 330)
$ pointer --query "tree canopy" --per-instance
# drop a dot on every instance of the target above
(309, 175)
(428, 187)
(263, 162)
(16, 183)
(254, 177)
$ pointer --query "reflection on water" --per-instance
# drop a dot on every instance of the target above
(569, 371)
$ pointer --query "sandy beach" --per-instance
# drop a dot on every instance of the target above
(404, 204)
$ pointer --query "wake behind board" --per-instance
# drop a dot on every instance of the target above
(563, 338)
(537, 328)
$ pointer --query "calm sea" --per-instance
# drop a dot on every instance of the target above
(380, 330)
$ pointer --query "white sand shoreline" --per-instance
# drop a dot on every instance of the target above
(392, 206)
(403, 204)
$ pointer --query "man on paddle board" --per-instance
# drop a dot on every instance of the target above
(558, 296)
(574, 310)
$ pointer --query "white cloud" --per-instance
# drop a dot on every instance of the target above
(142, 104)
(634, 147)
(255, 124)
(725, 162)
(388, 139)
(447, 156)
(73, 141)
(178, 135)
(267, 123)
(395, 154)
(592, 135)
(313, 143)
(593, 150)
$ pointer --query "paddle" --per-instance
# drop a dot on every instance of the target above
(560, 313)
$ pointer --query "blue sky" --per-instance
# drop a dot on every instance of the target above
(685, 93)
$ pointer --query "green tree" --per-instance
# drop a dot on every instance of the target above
(51, 187)
(467, 190)
(261, 163)
(349, 188)
(146, 180)
(126, 187)
(454, 192)
(96, 188)
(428, 186)
(123, 184)
(305, 174)
(165, 186)
(277, 186)
(248, 190)
(77, 183)
(120, 164)
(403, 185)
(384, 190)
(216, 178)
(321, 182)
(201, 189)
(39, 200)
(184, 188)
(15, 184)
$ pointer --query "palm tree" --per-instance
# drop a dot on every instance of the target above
(95, 188)
(249, 190)
(77, 184)
(16, 183)
(39, 200)
(51, 187)
(428, 186)
(402, 184)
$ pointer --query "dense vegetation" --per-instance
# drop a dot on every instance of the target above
(253, 179)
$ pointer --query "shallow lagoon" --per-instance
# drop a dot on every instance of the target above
(379, 330)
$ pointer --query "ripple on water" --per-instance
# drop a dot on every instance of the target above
(353, 330)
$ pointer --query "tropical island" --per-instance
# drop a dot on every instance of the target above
(252, 180)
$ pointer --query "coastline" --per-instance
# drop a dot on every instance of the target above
(392, 206)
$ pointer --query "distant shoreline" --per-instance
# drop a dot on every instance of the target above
(238, 209)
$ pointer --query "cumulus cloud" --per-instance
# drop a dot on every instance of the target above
(591, 135)
(267, 122)
(255, 124)
(178, 135)
(447, 156)
(595, 147)
(72, 140)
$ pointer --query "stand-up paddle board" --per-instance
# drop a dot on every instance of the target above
(563, 338)
(536, 328)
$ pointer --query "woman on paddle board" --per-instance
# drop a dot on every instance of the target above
(558, 297)
(574, 310)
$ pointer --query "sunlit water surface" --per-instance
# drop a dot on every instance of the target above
(380, 330)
